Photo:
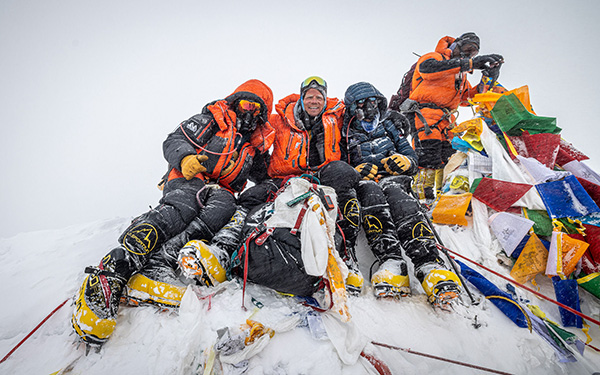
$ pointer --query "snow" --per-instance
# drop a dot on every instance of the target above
(39, 270)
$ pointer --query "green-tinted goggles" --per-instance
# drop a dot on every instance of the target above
(320, 81)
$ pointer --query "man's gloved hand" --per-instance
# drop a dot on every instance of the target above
(191, 165)
(396, 164)
(400, 121)
(487, 61)
(368, 171)
(231, 164)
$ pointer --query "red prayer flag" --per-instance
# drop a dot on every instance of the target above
(499, 195)
(591, 188)
(543, 147)
(567, 152)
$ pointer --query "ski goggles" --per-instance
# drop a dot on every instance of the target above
(318, 80)
(249, 106)
(371, 99)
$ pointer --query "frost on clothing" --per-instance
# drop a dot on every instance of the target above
(391, 218)
(216, 133)
(439, 85)
(385, 139)
(188, 208)
(297, 149)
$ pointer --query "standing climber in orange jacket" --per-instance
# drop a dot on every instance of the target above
(439, 86)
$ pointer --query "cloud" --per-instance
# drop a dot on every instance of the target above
(90, 90)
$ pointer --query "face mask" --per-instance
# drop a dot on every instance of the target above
(369, 126)
(246, 122)
(370, 110)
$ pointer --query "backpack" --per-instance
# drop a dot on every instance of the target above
(275, 239)
(404, 91)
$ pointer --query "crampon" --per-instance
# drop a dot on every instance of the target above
(384, 290)
(445, 296)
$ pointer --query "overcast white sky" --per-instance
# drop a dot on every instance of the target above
(90, 89)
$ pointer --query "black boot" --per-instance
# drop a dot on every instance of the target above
(391, 278)
(412, 228)
(344, 179)
(196, 230)
(229, 238)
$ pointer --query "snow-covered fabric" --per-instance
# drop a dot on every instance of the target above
(566, 198)
(348, 341)
(568, 153)
(567, 293)
(501, 299)
(539, 172)
(564, 253)
(582, 170)
(531, 261)
(541, 147)
(509, 229)
(500, 195)
(503, 168)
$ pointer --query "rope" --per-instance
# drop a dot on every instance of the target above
(202, 148)
(35, 329)
(378, 364)
(525, 287)
(440, 358)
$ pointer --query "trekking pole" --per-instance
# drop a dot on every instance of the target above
(33, 331)
(443, 248)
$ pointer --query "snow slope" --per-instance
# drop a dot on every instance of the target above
(39, 270)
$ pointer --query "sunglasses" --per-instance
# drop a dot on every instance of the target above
(372, 99)
(320, 81)
(248, 106)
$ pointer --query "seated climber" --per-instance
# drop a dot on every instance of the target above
(392, 218)
(308, 142)
(211, 156)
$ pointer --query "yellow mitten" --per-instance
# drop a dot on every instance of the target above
(191, 165)
(396, 164)
(367, 171)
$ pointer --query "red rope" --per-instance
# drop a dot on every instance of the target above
(525, 287)
(441, 358)
(379, 365)
(33, 331)
(202, 148)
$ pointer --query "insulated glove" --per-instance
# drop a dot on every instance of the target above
(400, 122)
(487, 61)
(231, 164)
(396, 164)
(367, 171)
(191, 165)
